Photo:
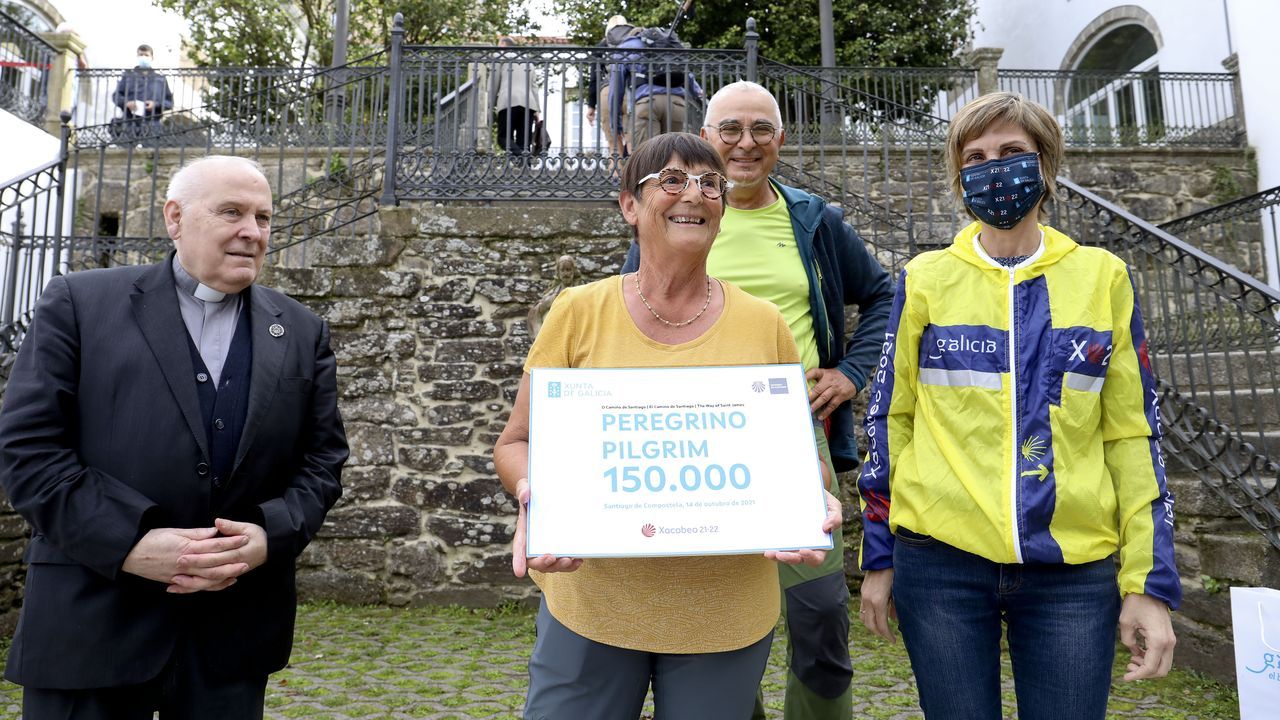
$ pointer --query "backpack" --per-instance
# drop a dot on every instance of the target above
(654, 39)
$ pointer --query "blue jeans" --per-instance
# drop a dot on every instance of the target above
(1061, 621)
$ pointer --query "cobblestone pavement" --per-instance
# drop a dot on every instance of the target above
(451, 664)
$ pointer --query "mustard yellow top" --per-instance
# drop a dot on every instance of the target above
(756, 250)
(671, 604)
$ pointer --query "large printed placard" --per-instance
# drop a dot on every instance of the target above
(647, 462)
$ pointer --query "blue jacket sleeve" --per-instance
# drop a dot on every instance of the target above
(1131, 430)
(889, 423)
(632, 263)
(868, 285)
(593, 78)
(695, 87)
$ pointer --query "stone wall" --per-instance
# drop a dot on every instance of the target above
(1216, 549)
(128, 185)
(430, 333)
(429, 330)
(1156, 184)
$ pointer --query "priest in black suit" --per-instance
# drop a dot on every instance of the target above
(171, 433)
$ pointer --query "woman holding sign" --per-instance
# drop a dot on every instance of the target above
(1013, 450)
(697, 628)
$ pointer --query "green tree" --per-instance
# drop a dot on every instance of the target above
(273, 33)
(239, 32)
(889, 33)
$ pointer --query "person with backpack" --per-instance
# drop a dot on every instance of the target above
(659, 86)
(598, 85)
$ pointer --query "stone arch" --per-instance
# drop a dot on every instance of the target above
(1103, 25)
(40, 10)
(1116, 41)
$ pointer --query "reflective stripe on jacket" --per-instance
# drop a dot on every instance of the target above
(1013, 414)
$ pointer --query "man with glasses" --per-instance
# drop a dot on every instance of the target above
(790, 247)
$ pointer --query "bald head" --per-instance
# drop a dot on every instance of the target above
(186, 183)
(723, 102)
(218, 213)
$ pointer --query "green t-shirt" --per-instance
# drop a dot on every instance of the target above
(756, 250)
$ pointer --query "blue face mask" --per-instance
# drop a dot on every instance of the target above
(1001, 192)
(144, 62)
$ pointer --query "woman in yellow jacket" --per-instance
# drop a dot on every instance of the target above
(1013, 450)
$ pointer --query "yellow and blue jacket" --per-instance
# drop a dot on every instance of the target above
(1013, 415)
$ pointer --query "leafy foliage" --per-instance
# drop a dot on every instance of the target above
(879, 33)
(1213, 585)
(273, 33)
(237, 32)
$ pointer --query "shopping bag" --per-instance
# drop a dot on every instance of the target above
(1255, 622)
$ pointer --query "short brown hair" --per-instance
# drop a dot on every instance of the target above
(653, 154)
(980, 114)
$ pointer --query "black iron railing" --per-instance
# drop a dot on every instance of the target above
(1243, 232)
(319, 134)
(32, 244)
(210, 93)
(877, 158)
(1095, 108)
(449, 144)
(422, 127)
(1213, 339)
(1110, 109)
(242, 107)
(25, 63)
(874, 157)
(933, 91)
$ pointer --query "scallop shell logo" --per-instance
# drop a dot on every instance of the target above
(648, 530)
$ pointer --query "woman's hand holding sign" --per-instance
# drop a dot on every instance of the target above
(814, 558)
(543, 563)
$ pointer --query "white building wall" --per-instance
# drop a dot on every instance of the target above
(26, 147)
(1038, 36)
(1194, 36)
(1253, 33)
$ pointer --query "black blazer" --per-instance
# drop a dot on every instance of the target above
(101, 440)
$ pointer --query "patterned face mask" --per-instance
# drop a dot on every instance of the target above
(1001, 192)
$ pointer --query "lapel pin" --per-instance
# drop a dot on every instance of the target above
(276, 330)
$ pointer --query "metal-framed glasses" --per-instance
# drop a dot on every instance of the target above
(674, 181)
(730, 132)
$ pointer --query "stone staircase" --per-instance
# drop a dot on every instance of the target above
(1216, 546)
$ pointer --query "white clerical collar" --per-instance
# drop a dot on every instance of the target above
(193, 287)
(208, 294)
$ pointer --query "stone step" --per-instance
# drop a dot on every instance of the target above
(1243, 410)
(1267, 444)
(1219, 369)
